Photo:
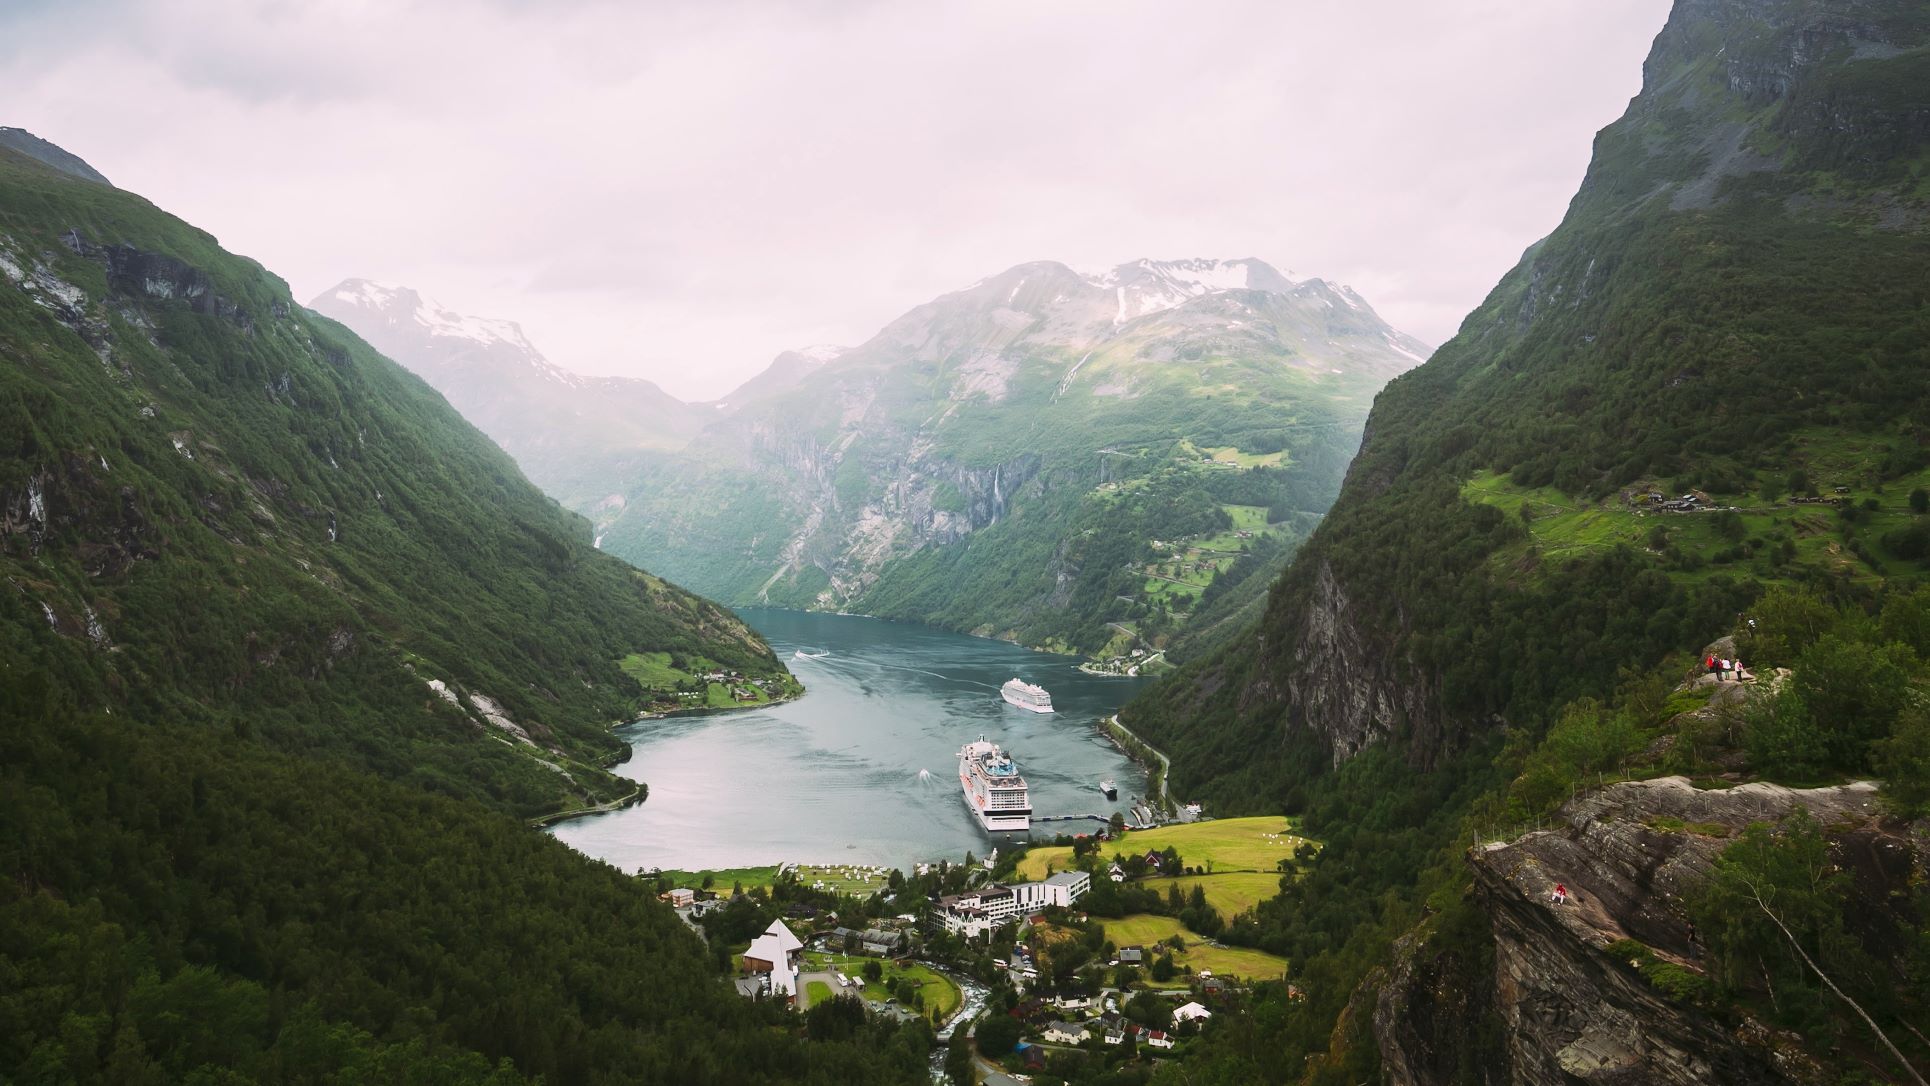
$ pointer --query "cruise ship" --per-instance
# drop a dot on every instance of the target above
(1026, 696)
(993, 788)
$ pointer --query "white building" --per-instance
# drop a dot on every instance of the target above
(776, 953)
(1190, 1012)
(978, 911)
(1065, 1033)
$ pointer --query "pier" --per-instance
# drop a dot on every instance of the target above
(1133, 818)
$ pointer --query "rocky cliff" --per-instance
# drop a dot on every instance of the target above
(1570, 986)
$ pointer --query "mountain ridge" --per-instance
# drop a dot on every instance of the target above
(229, 421)
(801, 487)
(289, 653)
(1699, 400)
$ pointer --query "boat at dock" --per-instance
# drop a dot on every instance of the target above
(1025, 695)
(995, 793)
(1110, 789)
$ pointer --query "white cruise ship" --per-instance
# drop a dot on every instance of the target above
(1027, 696)
(993, 788)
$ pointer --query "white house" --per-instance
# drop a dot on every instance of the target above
(1190, 1012)
(776, 953)
(1065, 1033)
(1072, 1001)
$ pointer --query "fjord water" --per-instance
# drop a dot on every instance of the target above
(834, 776)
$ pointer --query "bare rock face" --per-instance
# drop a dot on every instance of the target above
(1344, 678)
(1629, 855)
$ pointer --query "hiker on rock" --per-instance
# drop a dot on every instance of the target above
(1560, 895)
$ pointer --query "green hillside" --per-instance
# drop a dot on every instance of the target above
(224, 510)
(243, 837)
(1734, 308)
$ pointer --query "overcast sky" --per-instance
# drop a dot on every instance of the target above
(680, 191)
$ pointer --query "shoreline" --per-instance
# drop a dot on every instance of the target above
(698, 710)
(1113, 729)
(739, 608)
(639, 794)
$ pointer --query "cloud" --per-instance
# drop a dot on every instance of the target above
(682, 191)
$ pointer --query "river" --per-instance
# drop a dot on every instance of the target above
(835, 776)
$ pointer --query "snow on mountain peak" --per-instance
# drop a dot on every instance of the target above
(1151, 286)
(368, 294)
(440, 322)
(822, 352)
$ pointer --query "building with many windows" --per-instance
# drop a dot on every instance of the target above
(978, 911)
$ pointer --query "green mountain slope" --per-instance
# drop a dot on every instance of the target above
(222, 509)
(285, 650)
(1734, 308)
(1733, 305)
(1047, 456)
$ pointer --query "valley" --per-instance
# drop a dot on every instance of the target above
(1043, 421)
(1158, 673)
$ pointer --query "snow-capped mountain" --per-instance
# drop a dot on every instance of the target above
(1149, 286)
(859, 482)
(407, 313)
(554, 422)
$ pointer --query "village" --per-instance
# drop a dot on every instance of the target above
(1099, 948)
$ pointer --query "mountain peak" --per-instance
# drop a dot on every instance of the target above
(1149, 286)
(399, 303)
(25, 142)
(820, 353)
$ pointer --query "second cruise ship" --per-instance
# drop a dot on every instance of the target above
(1025, 695)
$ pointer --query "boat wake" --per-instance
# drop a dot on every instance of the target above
(802, 655)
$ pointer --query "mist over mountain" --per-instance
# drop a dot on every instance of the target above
(1041, 419)
(549, 419)
(1548, 708)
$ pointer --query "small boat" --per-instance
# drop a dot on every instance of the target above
(802, 655)
(1110, 789)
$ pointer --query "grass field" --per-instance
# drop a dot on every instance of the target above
(723, 879)
(653, 670)
(1227, 454)
(1258, 843)
(1743, 540)
(1145, 929)
(815, 991)
(1230, 894)
(940, 994)
(843, 878)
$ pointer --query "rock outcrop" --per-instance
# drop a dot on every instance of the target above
(1575, 1011)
